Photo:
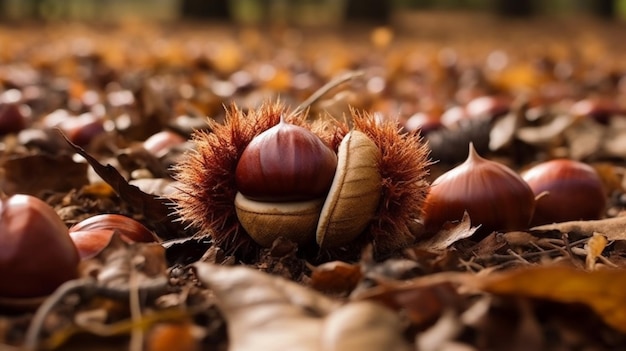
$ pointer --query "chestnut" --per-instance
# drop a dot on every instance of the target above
(285, 163)
(89, 243)
(424, 122)
(572, 191)
(597, 108)
(92, 234)
(36, 252)
(376, 187)
(494, 196)
(316, 194)
(127, 226)
(82, 129)
(12, 120)
(160, 143)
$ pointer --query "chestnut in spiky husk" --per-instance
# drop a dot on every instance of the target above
(394, 173)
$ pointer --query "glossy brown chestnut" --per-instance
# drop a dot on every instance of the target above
(285, 163)
(126, 226)
(494, 196)
(573, 191)
(36, 252)
(424, 122)
(597, 108)
(160, 143)
(12, 120)
(89, 243)
(82, 129)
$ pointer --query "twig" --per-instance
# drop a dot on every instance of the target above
(31, 341)
(137, 335)
(518, 256)
(324, 90)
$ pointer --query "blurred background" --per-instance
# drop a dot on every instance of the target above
(303, 12)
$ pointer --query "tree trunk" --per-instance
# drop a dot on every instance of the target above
(515, 8)
(205, 9)
(370, 11)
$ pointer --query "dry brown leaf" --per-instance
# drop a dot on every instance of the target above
(604, 291)
(597, 243)
(450, 234)
(612, 228)
(584, 138)
(545, 134)
(266, 312)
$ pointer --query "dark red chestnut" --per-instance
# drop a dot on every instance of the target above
(424, 122)
(82, 129)
(160, 143)
(493, 195)
(12, 120)
(285, 163)
(573, 191)
(36, 252)
(597, 108)
(487, 106)
(89, 243)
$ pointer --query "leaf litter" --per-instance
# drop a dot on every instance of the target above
(557, 286)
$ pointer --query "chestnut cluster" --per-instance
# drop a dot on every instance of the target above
(38, 252)
(497, 198)
(261, 176)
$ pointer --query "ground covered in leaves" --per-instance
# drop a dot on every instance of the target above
(558, 89)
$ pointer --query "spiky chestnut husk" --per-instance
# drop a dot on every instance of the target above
(404, 167)
(206, 193)
(207, 184)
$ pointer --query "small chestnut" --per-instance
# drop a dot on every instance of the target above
(82, 129)
(160, 143)
(12, 120)
(599, 109)
(424, 122)
(89, 243)
(493, 195)
(127, 226)
(36, 252)
(573, 191)
(285, 163)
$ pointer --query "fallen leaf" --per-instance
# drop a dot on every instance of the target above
(34, 174)
(613, 228)
(155, 208)
(450, 234)
(596, 244)
(545, 134)
(584, 138)
(604, 291)
(265, 312)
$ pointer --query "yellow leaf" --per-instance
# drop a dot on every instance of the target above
(604, 291)
(595, 246)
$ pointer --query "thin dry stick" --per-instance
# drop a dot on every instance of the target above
(31, 341)
(324, 90)
(137, 335)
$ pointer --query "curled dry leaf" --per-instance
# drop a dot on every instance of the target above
(451, 233)
(604, 291)
(265, 312)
